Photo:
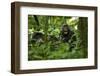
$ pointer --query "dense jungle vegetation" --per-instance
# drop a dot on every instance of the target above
(45, 42)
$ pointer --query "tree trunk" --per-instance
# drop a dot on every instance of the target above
(46, 28)
(83, 30)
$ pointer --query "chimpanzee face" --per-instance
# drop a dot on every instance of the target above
(65, 29)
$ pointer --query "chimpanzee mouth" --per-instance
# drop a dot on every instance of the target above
(65, 32)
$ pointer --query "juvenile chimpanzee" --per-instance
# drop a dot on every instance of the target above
(66, 35)
(38, 37)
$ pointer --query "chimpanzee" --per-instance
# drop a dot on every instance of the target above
(38, 37)
(66, 35)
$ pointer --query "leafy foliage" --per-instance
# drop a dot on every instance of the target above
(56, 49)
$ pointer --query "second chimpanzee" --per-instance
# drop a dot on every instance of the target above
(38, 37)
